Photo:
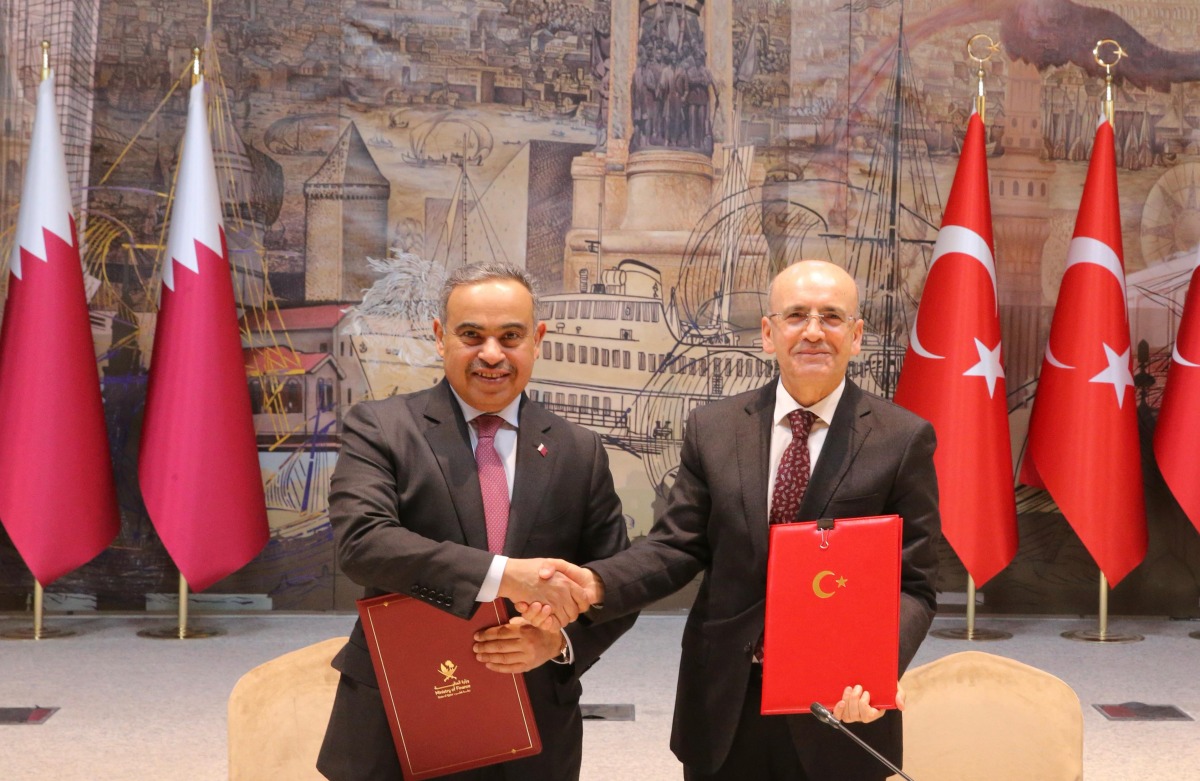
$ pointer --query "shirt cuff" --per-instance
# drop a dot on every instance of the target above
(491, 583)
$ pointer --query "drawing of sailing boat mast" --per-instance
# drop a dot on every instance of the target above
(890, 244)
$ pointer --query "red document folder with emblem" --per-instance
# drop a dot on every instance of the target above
(447, 711)
(833, 613)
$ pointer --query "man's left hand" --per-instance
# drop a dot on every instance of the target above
(517, 647)
(855, 706)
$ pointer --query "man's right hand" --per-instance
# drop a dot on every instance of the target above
(547, 584)
(539, 614)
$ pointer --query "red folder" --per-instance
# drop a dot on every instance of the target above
(833, 613)
(447, 711)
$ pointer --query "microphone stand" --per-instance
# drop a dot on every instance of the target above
(824, 715)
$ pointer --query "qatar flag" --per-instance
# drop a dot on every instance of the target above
(1178, 428)
(1083, 435)
(198, 463)
(58, 502)
(953, 375)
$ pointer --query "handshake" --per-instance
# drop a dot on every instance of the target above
(550, 593)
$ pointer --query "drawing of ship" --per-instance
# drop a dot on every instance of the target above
(449, 139)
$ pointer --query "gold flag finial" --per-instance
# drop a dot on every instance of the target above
(992, 48)
(45, 60)
(1118, 55)
(195, 65)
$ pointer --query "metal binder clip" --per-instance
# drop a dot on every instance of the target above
(824, 525)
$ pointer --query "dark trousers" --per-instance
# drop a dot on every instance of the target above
(762, 746)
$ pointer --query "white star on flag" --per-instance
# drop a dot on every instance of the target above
(988, 367)
(1117, 373)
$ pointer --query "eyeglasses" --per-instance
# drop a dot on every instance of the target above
(798, 321)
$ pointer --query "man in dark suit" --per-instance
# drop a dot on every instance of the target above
(867, 457)
(409, 514)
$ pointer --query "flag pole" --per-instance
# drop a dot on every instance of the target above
(971, 632)
(182, 632)
(1101, 634)
(38, 631)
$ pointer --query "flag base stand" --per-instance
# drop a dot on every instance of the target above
(1194, 635)
(1096, 636)
(38, 631)
(1101, 634)
(970, 632)
(181, 631)
(33, 633)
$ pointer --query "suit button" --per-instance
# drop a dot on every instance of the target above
(749, 648)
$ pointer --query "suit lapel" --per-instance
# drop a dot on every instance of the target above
(753, 436)
(451, 445)
(531, 481)
(849, 429)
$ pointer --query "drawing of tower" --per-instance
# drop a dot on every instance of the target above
(346, 203)
(1020, 218)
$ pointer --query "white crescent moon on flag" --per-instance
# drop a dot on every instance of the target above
(1054, 361)
(1175, 354)
(1179, 359)
(1085, 249)
(957, 239)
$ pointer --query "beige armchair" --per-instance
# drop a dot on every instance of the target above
(278, 712)
(973, 716)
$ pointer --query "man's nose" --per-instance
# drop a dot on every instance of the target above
(491, 350)
(813, 328)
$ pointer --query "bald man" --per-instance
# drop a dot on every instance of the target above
(867, 457)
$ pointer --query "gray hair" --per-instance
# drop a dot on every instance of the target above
(486, 272)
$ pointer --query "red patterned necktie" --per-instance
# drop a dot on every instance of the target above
(794, 469)
(493, 482)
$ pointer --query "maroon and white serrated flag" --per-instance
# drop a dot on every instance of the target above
(953, 375)
(58, 501)
(198, 463)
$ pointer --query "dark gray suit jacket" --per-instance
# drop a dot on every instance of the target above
(407, 511)
(877, 459)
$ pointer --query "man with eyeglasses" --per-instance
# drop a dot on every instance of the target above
(866, 457)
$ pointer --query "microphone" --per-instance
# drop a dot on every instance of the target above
(826, 717)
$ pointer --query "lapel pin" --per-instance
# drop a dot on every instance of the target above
(542, 449)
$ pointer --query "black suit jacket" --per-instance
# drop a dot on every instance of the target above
(407, 511)
(877, 459)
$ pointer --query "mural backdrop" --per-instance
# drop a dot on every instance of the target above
(651, 164)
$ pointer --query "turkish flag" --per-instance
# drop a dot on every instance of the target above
(1178, 428)
(1083, 434)
(198, 463)
(953, 375)
(58, 501)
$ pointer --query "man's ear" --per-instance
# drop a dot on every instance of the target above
(438, 335)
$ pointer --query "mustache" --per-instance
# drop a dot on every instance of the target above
(503, 365)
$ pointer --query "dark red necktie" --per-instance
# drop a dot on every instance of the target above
(493, 482)
(794, 469)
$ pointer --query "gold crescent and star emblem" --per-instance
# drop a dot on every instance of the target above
(816, 584)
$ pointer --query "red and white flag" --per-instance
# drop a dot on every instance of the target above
(953, 375)
(1178, 428)
(198, 463)
(58, 502)
(1083, 435)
